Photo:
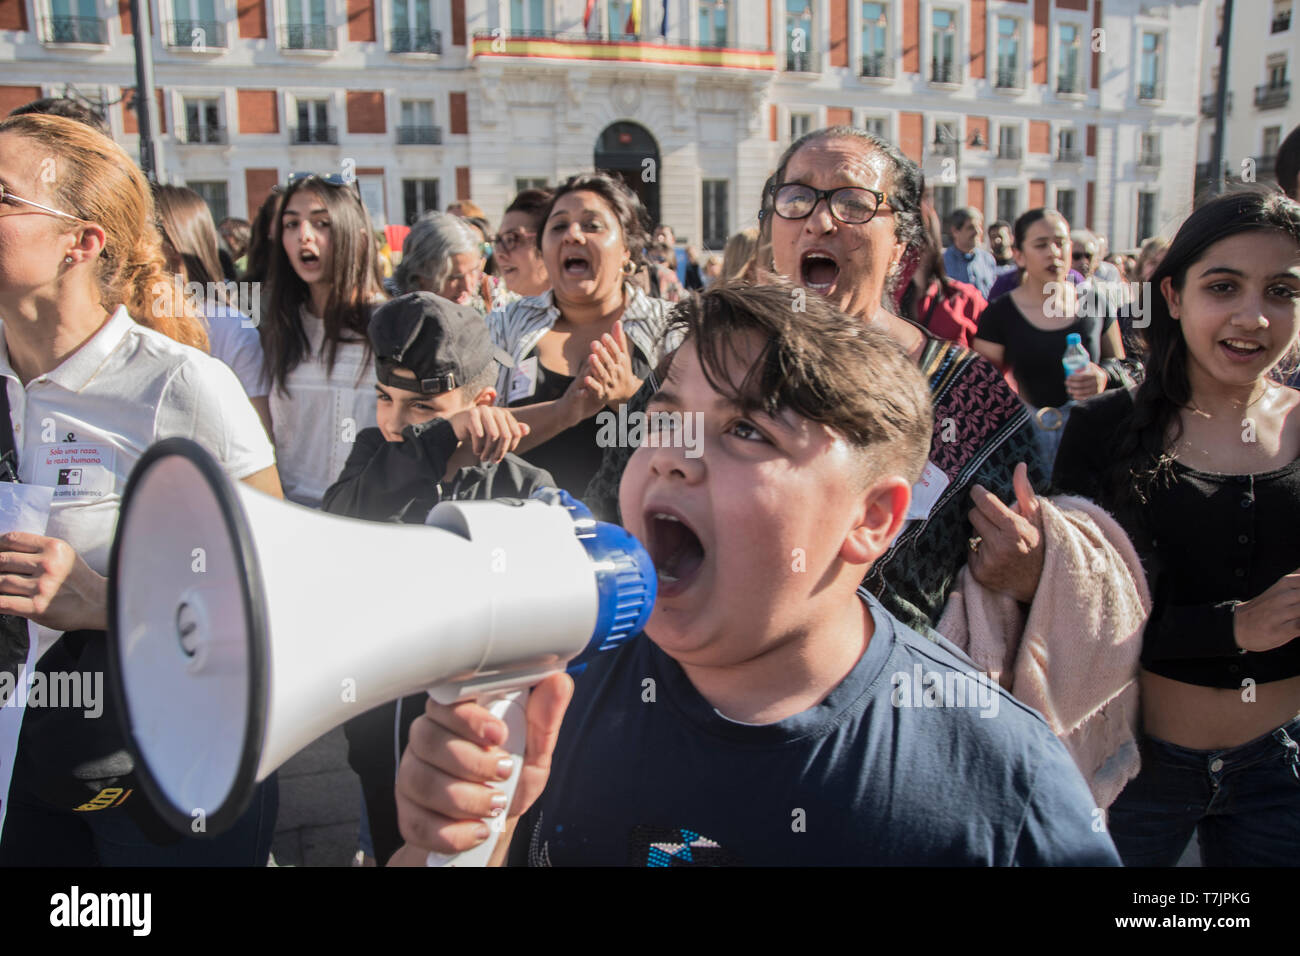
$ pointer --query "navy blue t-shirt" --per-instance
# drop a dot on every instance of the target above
(647, 773)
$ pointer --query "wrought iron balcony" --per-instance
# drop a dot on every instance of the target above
(1149, 160)
(1009, 151)
(1150, 91)
(627, 49)
(1069, 155)
(1271, 97)
(804, 62)
(1008, 80)
(943, 147)
(1069, 83)
(406, 40)
(61, 29)
(1281, 23)
(943, 71)
(1210, 104)
(196, 35)
(309, 36)
(202, 135)
(314, 134)
(419, 135)
(877, 65)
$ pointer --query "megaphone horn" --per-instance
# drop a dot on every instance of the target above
(243, 628)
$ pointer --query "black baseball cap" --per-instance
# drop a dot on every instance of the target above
(444, 345)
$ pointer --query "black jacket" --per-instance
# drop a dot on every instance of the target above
(402, 481)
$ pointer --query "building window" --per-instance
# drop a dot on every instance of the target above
(1146, 217)
(946, 140)
(214, 194)
(877, 126)
(1281, 16)
(305, 27)
(75, 21)
(1008, 203)
(800, 124)
(799, 36)
(1008, 143)
(1151, 67)
(1067, 146)
(943, 46)
(1008, 75)
(313, 123)
(1277, 71)
(413, 30)
(527, 16)
(418, 197)
(713, 22)
(875, 40)
(202, 122)
(620, 24)
(417, 123)
(1068, 79)
(196, 26)
(530, 182)
(1272, 140)
(716, 229)
(945, 200)
(1149, 150)
(1065, 204)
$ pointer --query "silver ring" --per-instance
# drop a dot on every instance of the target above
(1047, 412)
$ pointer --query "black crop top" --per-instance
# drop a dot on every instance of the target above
(1207, 542)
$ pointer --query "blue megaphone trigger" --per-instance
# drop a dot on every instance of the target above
(626, 580)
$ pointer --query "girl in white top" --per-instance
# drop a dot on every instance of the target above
(320, 289)
(100, 360)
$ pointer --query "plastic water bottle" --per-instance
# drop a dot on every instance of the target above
(1076, 357)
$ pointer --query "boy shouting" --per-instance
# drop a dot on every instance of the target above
(758, 720)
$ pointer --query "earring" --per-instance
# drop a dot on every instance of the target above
(67, 258)
(628, 268)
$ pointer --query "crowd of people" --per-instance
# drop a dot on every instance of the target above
(1048, 475)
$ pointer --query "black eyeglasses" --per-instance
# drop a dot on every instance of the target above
(852, 205)
(515, 239)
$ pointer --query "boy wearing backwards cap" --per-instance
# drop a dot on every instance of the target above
(767, 715)
(439, 437)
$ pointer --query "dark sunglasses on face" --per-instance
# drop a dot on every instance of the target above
(852, 205)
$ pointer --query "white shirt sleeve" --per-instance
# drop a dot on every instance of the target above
(204, 401)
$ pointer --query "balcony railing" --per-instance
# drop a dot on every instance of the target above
(1149, 160)
(627, 49)
(1150, 91)
(1271, 97)
(202, 135)
(1070, 154)
(314, 134)
(943, 71)
(1069, 83)
(197, 35)
(1008, 151)
(878, 65)
(1210, 104)
(1265, 165)
(1281, 23)
(406, 40)
(419, 135)
(944, 147)
(805, 62)
(60, 29)
(1008, 80)
(309, 36)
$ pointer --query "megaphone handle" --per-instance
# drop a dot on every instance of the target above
(511, 707)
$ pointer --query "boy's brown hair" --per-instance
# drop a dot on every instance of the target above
(817, 362)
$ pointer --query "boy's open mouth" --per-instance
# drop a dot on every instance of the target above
(818, 271)
(676, 550)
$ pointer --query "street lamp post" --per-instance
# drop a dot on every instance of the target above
(144, 97)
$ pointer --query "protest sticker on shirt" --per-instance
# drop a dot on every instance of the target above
(75, 471)
(523, 383)
(22, 508)
(927, 492)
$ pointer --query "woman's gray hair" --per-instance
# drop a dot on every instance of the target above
(426, 254)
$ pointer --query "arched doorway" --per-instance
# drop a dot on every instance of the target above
(623, 150)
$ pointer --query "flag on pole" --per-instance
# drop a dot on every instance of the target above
(586, 17)
(663, 25)
(633, 25)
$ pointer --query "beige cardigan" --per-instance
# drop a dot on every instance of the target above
(1075, 658)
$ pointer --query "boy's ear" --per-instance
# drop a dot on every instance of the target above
(882, 515)
(487, 396)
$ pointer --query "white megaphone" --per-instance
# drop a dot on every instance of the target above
(242, 628)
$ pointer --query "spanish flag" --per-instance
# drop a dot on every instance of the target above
(633, 24)
(586, 17)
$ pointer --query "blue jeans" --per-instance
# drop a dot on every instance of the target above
(1244, 803)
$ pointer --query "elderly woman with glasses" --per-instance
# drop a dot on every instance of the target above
(442, 255)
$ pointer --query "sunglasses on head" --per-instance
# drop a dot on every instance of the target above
(333, 179)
